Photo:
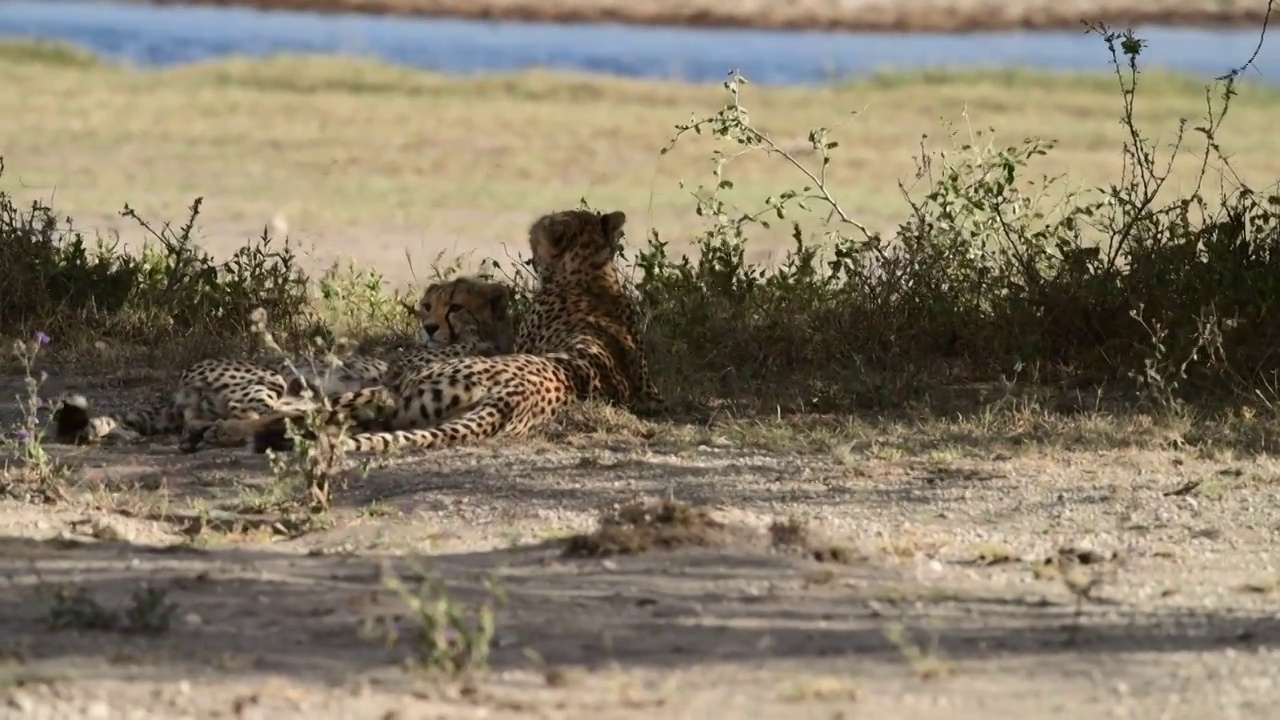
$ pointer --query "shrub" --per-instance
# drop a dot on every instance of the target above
(171, 296)
(988, 280)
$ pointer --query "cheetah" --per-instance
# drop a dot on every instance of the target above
(580, 339)
(460, 317)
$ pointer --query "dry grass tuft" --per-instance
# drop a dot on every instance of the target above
(646, 526)
(796, 535)
(642, 527)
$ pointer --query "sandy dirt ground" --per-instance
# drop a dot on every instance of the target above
(872, 15)
(955, 595)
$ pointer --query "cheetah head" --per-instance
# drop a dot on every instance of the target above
(466, 309)
(576, 242)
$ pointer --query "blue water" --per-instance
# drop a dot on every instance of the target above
(162, 36)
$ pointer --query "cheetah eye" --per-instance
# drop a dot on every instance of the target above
(455, 308)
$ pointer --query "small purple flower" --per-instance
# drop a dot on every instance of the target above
(42, 338)
(22, 435)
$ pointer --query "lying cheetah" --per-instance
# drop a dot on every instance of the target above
(579, 339)
(463, 316)
(458, 318)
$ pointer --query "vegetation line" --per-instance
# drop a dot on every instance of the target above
(916, 16)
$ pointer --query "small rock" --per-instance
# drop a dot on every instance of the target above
(677, 610)
(20, 702)
(106, 527)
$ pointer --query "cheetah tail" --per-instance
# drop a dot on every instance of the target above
(485, 420)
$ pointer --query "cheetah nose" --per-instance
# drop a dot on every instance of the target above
(430, 329)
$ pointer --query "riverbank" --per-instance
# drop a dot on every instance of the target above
(859, 15)
(417, 162)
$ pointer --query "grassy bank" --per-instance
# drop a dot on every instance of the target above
(1142, 280)
(909, 16)
(345, 148)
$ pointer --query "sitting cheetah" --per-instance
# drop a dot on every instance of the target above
(579, 339)
(463, 316)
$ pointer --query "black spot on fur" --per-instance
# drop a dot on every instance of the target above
(296, 385)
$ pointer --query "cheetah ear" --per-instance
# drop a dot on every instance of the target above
(499, 296)
(612, 223)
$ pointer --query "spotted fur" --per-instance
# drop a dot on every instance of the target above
(460, 317)
(580, 339)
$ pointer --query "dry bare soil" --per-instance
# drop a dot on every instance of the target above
(944, 572)
(899, 15)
